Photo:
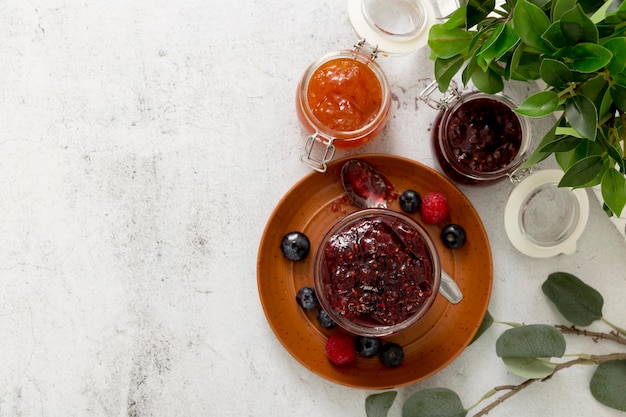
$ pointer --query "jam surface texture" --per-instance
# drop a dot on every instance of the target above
(483, 135)
(377, 270)
(344, 94)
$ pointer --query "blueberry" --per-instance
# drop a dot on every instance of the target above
(453, 236)
(324, 319)
(295, 246)
(307, 299)
(391, 354)
(410, 201)
(367, 346)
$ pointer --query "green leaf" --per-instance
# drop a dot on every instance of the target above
(582, 172)
(488, 82)
(486, 324)
(539, 104)
(579, 303)
(378, 405)
(446, 43)
(456, 20)
(614, 190)
(589, 57)
(501, 41)
(434, 402)
(617, 46)
(577, 27)
(582, 115)
(446, 69)
(554, 36)
(538, 155)
(595, 90)
(555, 73)
(486, 52)
(561, 6)
(618, 93)
(562, 144)
(531, 22)
(531, 341)
(530, 368)
(477, 10)
(608, 384)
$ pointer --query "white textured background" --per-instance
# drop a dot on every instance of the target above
(143, 146)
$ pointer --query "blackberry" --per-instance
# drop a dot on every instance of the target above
(324, 319)
(453, 236)
(410, 201)
(367, 346)
(391, 354)
(295, 246)
(307, 299)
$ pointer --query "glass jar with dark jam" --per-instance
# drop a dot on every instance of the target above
(343, 99)
(478, 138)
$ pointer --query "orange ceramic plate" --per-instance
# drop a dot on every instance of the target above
(312, 206)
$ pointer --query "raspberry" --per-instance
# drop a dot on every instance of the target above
(434, 208)
(340, 349)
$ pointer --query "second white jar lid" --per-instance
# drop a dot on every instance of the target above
(542, 219)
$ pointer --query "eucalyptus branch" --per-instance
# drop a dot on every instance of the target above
(614, 335)
(514, 389)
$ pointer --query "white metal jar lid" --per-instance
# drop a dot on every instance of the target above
(542, 219)
(395, 26)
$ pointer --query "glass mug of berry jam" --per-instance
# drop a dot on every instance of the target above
(478, 138)
(343, 99)
(376, 272)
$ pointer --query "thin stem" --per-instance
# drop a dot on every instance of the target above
(514, 389)
(614, 336)
(618, 329)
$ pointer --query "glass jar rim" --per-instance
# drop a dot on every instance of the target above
(479, 176)
(376, 330)
(381, 114)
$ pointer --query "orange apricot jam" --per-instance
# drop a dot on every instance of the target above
(344, 96)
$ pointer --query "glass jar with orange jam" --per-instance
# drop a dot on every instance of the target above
(343, 99)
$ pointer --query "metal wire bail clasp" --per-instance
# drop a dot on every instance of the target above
(444, 102)
(366, 48)
(318, 164)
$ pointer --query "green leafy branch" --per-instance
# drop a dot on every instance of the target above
(576, 48)
(528, 351)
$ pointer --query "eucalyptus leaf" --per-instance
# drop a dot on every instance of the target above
(582, 172)
(530, 368)
(484, 325)
(608, 382)
(531, 341)
(555, 72)
(378, 405)
(614, 190)
(539, 104)
(530, 23)
(583, 116)
(577, 27)
(434, 402)
(579, 303)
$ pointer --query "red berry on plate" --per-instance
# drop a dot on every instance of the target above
(434, 208)
(340, 349)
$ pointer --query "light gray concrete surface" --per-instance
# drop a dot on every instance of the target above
(143, 146)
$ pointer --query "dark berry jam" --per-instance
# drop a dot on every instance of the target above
(378, 271)
(478, 140)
